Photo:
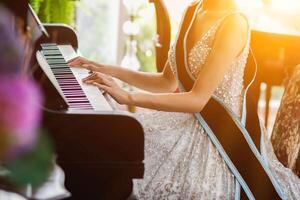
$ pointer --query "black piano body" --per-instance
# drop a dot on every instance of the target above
(100, 152)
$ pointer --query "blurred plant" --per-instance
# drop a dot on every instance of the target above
(55, 11)
(25, 154)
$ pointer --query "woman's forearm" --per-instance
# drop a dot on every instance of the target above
(152, 82)
(172, 102)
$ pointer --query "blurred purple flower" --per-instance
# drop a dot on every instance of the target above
(20, 98)
(20, 107)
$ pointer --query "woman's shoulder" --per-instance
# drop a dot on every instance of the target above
(232, 33)
(234, 25)
(236, 20)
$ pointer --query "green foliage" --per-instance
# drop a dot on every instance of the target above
(36, 4)
(33, 166)
(55, 11)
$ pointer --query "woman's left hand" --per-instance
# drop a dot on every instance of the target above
(109, 85)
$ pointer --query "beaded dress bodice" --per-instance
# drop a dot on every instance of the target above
(231, 87)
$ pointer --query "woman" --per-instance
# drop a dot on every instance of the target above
(180, 160)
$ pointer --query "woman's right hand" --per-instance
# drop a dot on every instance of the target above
(85, 63)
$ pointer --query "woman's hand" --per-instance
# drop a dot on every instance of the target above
(85, 63)
(109, 85)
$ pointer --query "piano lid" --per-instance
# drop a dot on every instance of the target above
(35, 26)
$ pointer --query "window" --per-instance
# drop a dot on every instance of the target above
(97, 23)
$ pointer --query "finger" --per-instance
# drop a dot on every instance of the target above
(89, 67)
(107, 80)
(73, 59)
(75, 64)
(103, 87)
(86, 66)
(90, 77)
(96, 80)
(89, 82)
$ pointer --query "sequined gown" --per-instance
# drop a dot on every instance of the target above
(180, 160)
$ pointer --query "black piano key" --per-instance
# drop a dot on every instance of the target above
(64, 76)
(58, 65)
(85, 100)
(71, 87)
(60, 68)
(52, 57)
(79, 103)
(71, 82)
(75, 96)
(56, 61)
(52, 52)
(49, 44)
(70, 95)
(59, 61)
(61, 72)
(81, 106)
(50, 48)
(71, 92)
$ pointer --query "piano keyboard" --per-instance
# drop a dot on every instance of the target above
(68, 81)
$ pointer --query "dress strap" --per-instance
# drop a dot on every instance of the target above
(272, 188)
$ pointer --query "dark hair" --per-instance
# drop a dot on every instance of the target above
(18, 8)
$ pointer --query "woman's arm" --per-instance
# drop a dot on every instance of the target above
(164, 82)
(229, 42)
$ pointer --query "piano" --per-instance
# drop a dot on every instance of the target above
(99, 148)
